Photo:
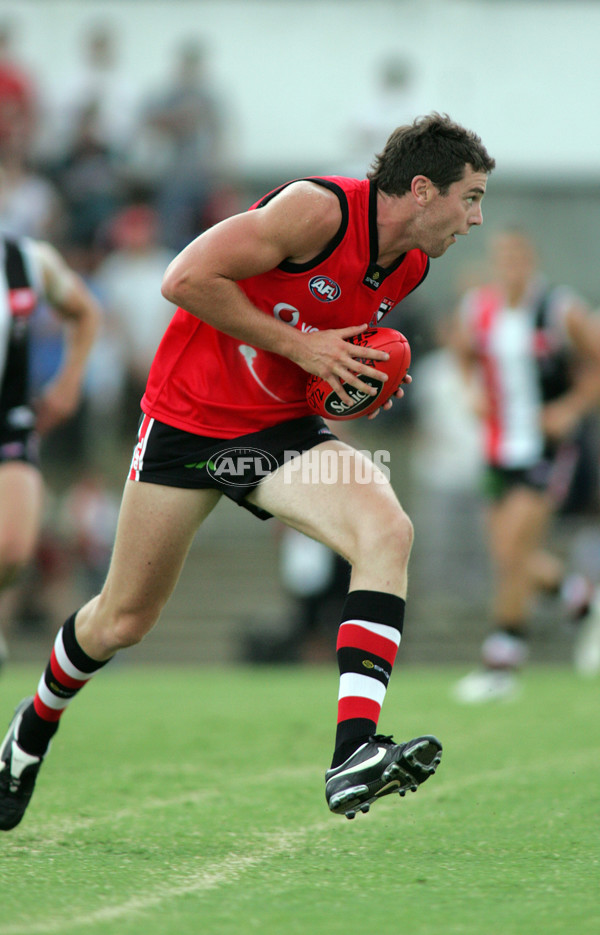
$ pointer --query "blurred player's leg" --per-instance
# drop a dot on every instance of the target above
(21, 506)
(517, 525)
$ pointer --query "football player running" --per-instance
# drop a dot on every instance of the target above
(266, 298)
(34, 276)
(530, 352)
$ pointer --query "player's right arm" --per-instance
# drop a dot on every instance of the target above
(296, 225)
(80, 313)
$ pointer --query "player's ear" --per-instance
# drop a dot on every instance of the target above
(422, 189)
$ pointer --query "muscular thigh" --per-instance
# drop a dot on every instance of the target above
(154, 533)
(332, 493)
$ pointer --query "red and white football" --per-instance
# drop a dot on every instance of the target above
(324, 401)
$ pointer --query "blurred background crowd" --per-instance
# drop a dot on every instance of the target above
(119, 172)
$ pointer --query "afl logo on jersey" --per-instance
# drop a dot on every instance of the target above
(324, 289)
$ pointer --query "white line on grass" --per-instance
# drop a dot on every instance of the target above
(231, 868)
(56, 830)
(223, 873)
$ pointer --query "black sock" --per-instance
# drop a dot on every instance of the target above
(368, 640)
(67, 672)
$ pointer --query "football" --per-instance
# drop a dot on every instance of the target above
(324, 401)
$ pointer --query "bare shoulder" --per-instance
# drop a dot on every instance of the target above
(294, 225)
(46, 255)
(58, 278)
(308, 216)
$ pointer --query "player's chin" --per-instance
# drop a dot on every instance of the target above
(439, 249)
(449, 241)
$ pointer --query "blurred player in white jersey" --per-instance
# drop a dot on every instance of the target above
(31, 273)
(531, 352)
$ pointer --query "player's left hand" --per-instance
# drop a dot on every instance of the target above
(559, 419)
(397, 395)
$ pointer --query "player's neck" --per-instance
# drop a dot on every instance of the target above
(393, 228)
(515, 295)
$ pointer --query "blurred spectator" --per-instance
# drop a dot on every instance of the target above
(443, 414)
(30, 205)
(315, 580)
(532, 354)
(89, 519)
(88, 178)
(98, 93)
(18, 94)
(450, 569)
(104, 394)
(186, 122)
(129, 280)
(395, 101)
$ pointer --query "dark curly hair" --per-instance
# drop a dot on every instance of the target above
(433, 146)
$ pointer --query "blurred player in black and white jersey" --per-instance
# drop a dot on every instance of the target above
(531, 351)
(31, 273)
(266, 298)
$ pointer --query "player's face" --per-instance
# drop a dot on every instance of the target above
(453, 214)
(514, 261)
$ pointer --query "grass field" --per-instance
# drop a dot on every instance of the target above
(192, 801)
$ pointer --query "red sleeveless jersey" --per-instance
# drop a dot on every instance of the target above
(208, 383)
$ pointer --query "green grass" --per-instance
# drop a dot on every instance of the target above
(191, 801)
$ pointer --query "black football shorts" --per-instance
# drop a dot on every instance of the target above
(233, 466)
(20, 445)
(553, 475)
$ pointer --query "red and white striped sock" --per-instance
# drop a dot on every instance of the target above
(67, 672)
(368, 641)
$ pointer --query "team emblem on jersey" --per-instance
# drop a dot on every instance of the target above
(22, 301)
(385, 306)
(324, 289)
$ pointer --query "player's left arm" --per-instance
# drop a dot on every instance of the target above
(73, 302)
(562, 415)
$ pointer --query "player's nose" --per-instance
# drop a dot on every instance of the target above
(476, 215)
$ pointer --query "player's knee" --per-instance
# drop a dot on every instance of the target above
(398, 536)
(510, 558)
(129, 629)
(120, 629)
(387, 533)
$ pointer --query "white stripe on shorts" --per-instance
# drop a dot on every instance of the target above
(137, 461)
